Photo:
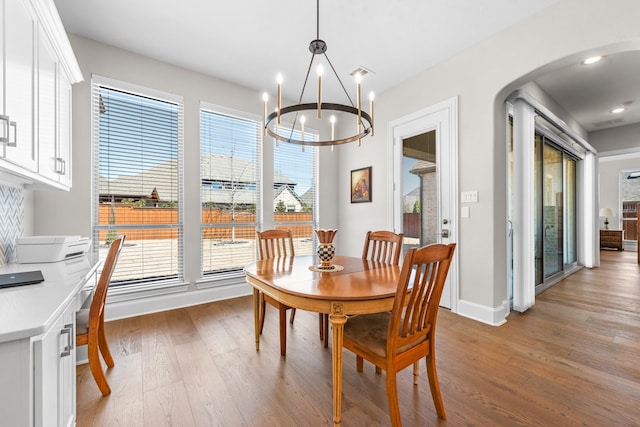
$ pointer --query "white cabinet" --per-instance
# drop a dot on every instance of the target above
(54, 373)
(37, 69)
(19, 24)
(54, 115)
(63, 160)
(37, 343)
(47, 107)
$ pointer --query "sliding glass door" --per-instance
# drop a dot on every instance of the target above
(554, 209)
(555, 212)
(552, 213)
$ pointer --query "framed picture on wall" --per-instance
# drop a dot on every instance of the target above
(361, 185)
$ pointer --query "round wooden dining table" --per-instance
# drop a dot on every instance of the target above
(356, 286)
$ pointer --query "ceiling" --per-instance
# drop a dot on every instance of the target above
(249, 43)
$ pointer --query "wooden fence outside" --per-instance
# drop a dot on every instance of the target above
(127, 214)
(411, 225)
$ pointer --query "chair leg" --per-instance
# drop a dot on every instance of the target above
(416, 372)
(326, 330)
(103, 345)
(378, 370)
(293, 315)
(392, 399)
(321, 325)
(359, 363)
(434, 386)
(283, 331)
(263, 305)
(96, 366)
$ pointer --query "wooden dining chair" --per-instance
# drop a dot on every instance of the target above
(90, 322)
(383, 246)
(395, 340)
(273, 244)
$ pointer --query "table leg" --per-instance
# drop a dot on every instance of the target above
(256, 315)
(337, 321)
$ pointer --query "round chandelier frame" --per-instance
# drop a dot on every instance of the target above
(364, 123)
(367, 123)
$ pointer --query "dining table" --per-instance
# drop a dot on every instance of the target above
(350, 286)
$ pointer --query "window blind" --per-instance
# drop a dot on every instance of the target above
(137, 188)
(230, 190)
(294, 187)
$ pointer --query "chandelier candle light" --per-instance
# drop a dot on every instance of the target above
(364, 120)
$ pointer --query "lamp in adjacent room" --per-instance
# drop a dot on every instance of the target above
(606, 213)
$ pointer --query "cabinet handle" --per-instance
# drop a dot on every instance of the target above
(61, 166)
(68, 331)
(4, 137)
(13, 143)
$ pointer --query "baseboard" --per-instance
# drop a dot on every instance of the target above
(138, 307)
(494, 316)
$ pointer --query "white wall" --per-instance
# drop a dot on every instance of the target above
(619, 139)
(619, 149)
(70, 213)
(609, 173)
(482, 77)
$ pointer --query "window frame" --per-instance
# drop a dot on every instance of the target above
(230, 276)
(311, 135)
(144, 287)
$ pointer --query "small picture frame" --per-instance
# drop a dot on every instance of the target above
(361, 185)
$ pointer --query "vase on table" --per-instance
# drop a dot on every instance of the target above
(326, 251)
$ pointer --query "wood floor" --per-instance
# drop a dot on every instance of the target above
(573, 359)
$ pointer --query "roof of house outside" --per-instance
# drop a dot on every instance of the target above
(285, 188)
(307, 197)
(423, 166)
(215, 167)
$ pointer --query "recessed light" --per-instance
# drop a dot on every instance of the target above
(592, 60)
(618, 110)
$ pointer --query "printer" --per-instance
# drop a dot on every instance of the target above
(37, 249)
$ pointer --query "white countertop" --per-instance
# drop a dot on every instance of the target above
(30, 310)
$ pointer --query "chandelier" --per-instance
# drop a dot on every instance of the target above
(363, 120)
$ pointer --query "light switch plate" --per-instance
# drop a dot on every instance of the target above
(469, 197)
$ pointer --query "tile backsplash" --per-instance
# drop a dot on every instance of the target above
(11, 221)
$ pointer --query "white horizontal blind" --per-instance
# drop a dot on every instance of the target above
(137, 188)
(230, 190)
(294, 188)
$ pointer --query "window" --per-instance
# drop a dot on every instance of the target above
(294, 188)
(137, 188)
(230, 190)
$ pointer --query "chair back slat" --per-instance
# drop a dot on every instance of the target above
(383, 246)
(274, 244)
(100, 294)
(422, 279)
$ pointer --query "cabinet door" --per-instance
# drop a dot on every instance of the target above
(54, 375)
(64, 129)
(47, 106)
(19, 30)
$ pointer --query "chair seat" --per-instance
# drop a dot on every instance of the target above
(369, 330)
(82, 322)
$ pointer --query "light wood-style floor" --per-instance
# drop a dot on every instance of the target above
(573, 359)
